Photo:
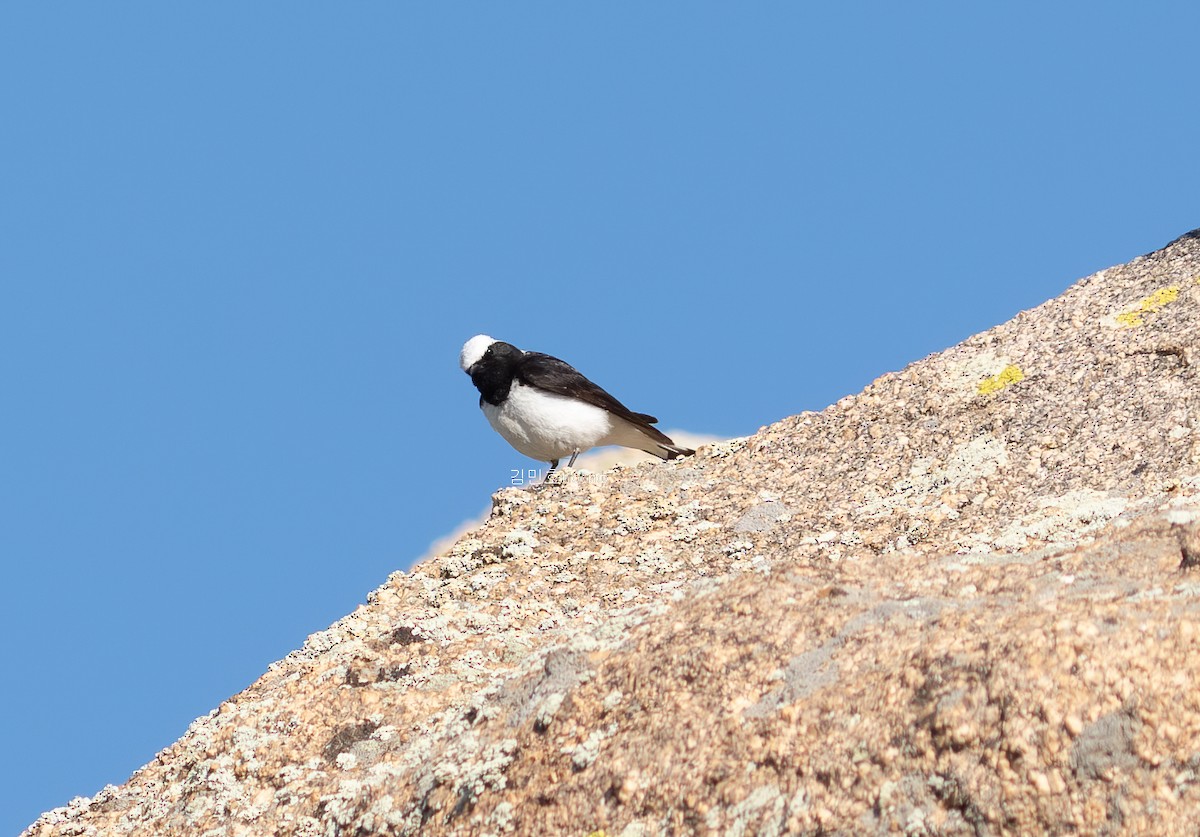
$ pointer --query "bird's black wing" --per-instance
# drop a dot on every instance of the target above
(553, 375)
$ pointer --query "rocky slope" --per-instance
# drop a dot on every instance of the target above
(958, 602)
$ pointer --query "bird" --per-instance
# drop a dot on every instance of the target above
(547, 409)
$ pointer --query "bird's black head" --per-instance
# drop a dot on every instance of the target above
(491, 365)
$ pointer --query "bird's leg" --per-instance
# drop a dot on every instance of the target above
(571, 464)
(553, 468)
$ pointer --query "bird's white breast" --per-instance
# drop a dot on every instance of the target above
(546, 426)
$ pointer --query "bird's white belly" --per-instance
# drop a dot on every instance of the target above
(545, 426)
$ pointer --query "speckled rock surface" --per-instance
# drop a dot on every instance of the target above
(960, 602)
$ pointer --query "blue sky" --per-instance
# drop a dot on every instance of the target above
(242, 244)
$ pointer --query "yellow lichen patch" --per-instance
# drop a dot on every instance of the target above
(1135, 316)
(1005, 377)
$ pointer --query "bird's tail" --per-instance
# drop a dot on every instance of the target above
(654, 441)
(672, 451)
(641, 436)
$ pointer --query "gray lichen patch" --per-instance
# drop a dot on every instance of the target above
(763, 517)
(1105, 746)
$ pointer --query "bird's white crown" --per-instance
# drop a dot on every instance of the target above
(473, 350)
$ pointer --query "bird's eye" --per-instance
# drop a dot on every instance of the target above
(489, 350)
